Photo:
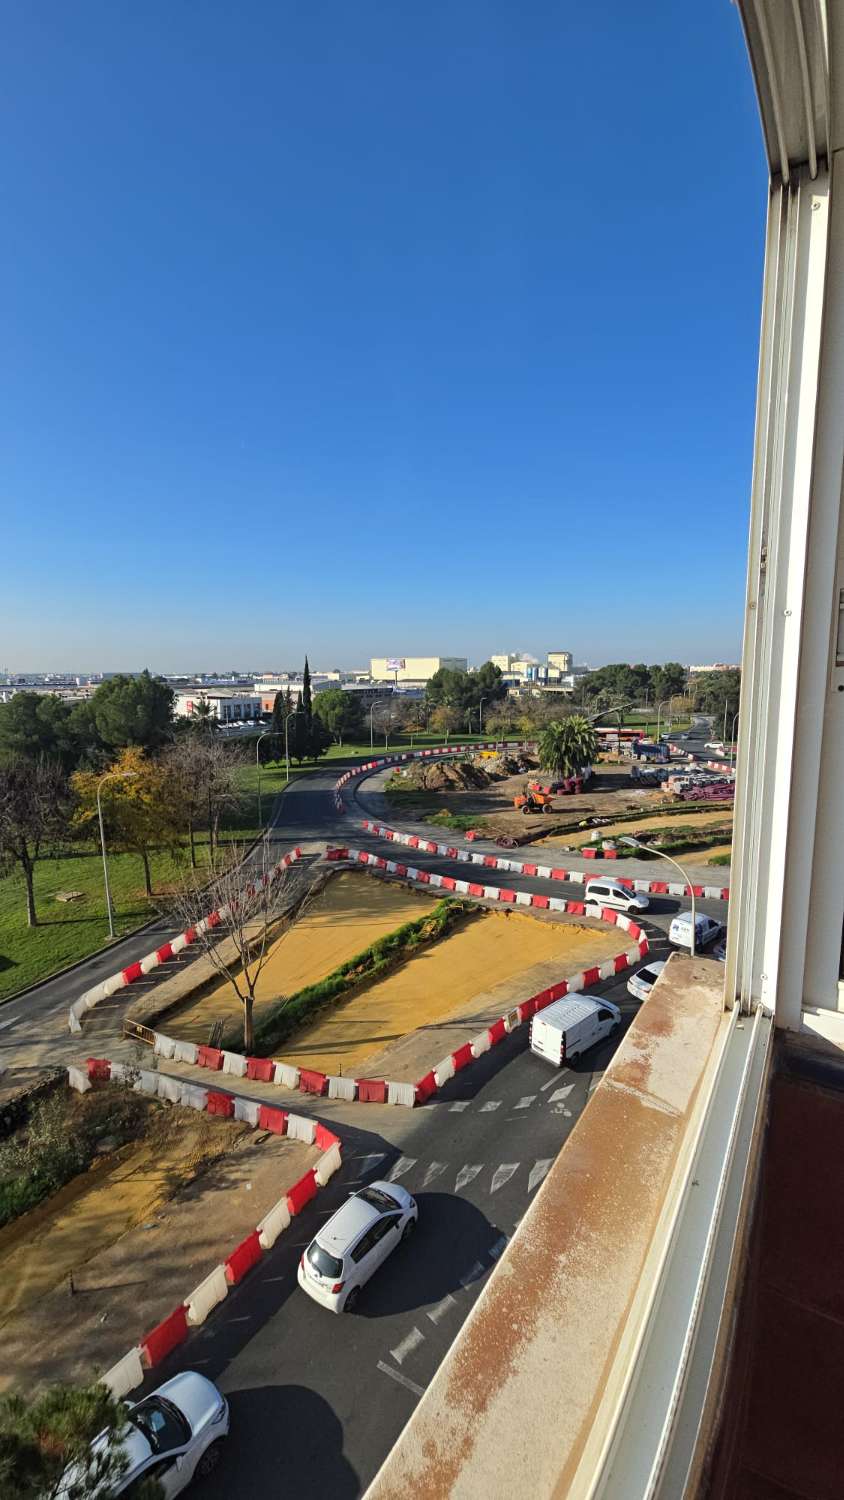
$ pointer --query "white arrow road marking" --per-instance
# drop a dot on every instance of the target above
(538, 1171)
(560, 1094)
(467, 1175)
(403, 1165)
(474, 1274)
(436, 1169)
(525, 1102)
(503, 1174)
(496, 1249)
(370, 1162)
(410, 1385)
(438, 1312)
(407, 1346)
(458, 1106)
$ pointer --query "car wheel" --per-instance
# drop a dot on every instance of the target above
(408, 1229)
(209, 1460)
(351, 1301)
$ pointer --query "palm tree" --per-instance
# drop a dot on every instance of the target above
(566, 746)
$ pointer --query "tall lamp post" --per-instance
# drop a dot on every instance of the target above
(266, 735)
(481, 702)
(659, 708)
(637, 844)
(733, 739)
(109, 907)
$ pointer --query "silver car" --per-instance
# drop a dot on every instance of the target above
(173, 1436)
(642, 982)
(354, 1243)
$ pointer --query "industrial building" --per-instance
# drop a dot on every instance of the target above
(413, 669)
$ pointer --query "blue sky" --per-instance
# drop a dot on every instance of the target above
(375, 329)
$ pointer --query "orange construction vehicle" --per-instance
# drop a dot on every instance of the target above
(534, 802)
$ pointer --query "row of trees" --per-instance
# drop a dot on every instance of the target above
(463, 692)
(621, 682)
(124, 711)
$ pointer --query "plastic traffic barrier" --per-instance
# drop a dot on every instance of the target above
(243, 1258)
(401, 1093)
(247, 1110)
(211, 1290)
(312, 1082)
(99, 1069)
(462, 1057)
(78, 1079)
(165, 1336)
(325, 1138)
(235, 1064)
(260, 1068)
(372, 1090)
(300, 1128)
(286, 1076)
(329, 1163)
(341, 1088)
(425, 1088)
(270, 1118)
(497, 1031)
(185, 1052)
(220, 1104)
(301, 1193)
(210, 1057)
(125, 1375)
(273, 1223)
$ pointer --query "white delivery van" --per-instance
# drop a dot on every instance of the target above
(706, 930)
(565, 1029)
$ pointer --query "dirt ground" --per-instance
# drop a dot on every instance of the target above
(720, 818)
(349, 914)
(612, 791)
(127, 1278)
(438, 982)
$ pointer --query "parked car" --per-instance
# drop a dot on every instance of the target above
(568, 1027)
(720, 950)
(642, 982)
(707, 930)
(612, 893)
(174, 1435)
(355, 1241)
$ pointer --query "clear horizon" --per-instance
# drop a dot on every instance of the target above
(368, 326)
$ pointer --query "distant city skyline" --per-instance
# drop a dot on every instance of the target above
(372, 328)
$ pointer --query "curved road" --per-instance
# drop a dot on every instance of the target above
(318, 1401)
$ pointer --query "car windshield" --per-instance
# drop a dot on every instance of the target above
(327, 1265)
(379, 1199)
(161, 1423)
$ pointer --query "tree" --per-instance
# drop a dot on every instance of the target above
(307, 699)
(138, 805)
(133, 711)
(202, 782)
(718, 694)
(464, 690)
(47, 1445)
(445, 719)
(34, 809)
(203, 720)
(565, 747)
(250, 905)
(341, 713)
(35, 726)
(298, 738)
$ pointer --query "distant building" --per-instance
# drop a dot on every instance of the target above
(413, 668)
(226, 707)
(714, 666)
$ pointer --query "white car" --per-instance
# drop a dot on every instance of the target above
(174, 1436)
(642, 982)
(611, 893)
(707, 930)
(354, 1243)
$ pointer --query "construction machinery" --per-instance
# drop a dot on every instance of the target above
(534, 802)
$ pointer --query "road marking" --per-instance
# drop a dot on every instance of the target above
(4, 1025)
(438, 1312)
(477, 1271)
(560, 1094)
(552, 1081)
(496, 1249)
(407, 1346)
(370, 1162)
(525, 1102)
(436, 1169)
(487, 1108)
(403, 1165)
(595, 1081)
(503, 1174)
(410, 1385)
(458, 1106)
(467, 1175)
(538, 1171)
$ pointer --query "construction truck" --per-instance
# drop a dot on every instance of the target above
(534, 802)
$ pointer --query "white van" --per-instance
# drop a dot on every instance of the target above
(605, 892)
(706, 930)
(565, 1029)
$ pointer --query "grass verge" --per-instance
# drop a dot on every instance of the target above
(279, 1022)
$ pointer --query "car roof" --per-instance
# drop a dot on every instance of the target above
(344, 1228)
(656, 966)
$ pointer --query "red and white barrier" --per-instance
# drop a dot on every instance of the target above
(144, 966)
(129, 1372)
(524, 867)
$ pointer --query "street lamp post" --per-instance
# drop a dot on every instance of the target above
(481, 702)
(659, 708)
(109, 907)
(637, 844)
(733, 739)
(266, 734)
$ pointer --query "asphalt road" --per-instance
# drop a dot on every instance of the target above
(318, 1400)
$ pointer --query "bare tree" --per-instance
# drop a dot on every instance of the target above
(249, 907)
(34, 809)
(206, 784)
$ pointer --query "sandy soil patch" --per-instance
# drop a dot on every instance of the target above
(678, 819)
(440, 981)
(126, 1287)
(348, 915)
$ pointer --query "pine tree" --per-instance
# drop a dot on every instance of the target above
(307, 699)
